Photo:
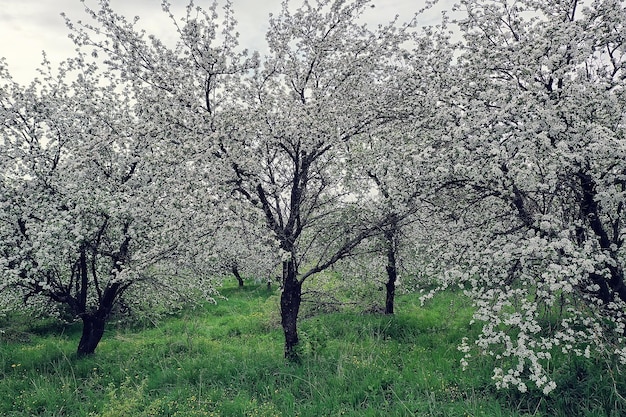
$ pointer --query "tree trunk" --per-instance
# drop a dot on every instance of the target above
(290, 300)
(590, 211)
(392, 269)
(93, 330)
(93, 323)
(235, 271)
(392, 275)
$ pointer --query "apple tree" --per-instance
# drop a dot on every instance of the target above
(327, 83)
(272, 133)
(93, 204)
(533, 181)
(391, 171)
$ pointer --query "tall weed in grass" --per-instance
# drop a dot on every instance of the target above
(226, 360)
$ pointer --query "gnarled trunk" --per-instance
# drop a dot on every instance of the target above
(94, 322)
(93, 330)
(290, 300)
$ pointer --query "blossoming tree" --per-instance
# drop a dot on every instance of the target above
(535, 181)
(393, 166)
(273, 134)
(327, 83)
(90, 202)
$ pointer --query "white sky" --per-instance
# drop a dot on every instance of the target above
(29, 26)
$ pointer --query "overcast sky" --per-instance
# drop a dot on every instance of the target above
(29, 26)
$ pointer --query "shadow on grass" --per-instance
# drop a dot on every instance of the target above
(259, 291)
(21, 328)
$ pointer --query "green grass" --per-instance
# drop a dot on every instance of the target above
(226, 360)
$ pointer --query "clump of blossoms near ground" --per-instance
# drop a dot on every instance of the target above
(499, 158)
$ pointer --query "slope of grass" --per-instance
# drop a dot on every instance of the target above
(226, 360)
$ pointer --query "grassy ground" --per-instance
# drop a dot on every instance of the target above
(226, 360)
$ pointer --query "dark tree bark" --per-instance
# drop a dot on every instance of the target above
(290, 300)
(235, 272)
(392, 276)
(93, 330)
(590, 212)
(390, 235)
(94, 322)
